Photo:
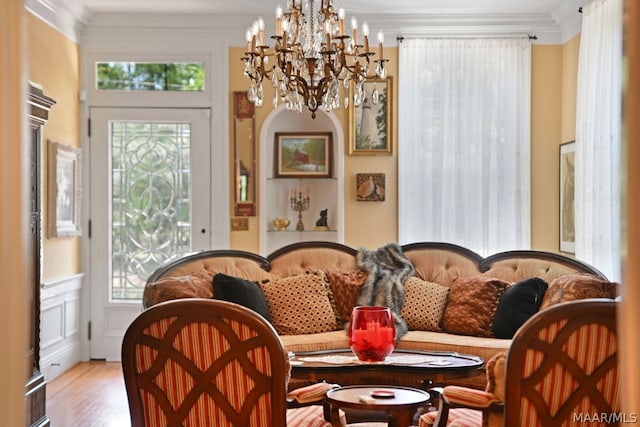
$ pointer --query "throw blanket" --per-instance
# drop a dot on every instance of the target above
(388, 268)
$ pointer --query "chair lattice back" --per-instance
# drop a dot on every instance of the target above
(200, 362)
(562, 368)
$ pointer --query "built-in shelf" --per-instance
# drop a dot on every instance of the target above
(271, 178)
(302, 231)
(323, 192)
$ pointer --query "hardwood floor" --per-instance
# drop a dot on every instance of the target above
(91, 394)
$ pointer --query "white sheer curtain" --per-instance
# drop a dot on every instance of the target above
(464, 142)
(598, 140)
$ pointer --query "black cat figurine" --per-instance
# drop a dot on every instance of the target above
(322, 221)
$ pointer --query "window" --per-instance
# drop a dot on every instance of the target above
(464, 142)
(131, 76)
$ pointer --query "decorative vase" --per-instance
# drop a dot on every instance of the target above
(372, 333)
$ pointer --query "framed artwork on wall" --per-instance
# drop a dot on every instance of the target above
(370, 124)
(567, 207)
(64, 190)
(370, 187)
(303, 155)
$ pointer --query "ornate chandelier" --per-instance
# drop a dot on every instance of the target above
(314, 60)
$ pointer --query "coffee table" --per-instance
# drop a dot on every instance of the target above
(400, 403)
(411, 368)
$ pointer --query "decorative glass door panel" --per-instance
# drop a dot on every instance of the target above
(150, 198)
(150, 203)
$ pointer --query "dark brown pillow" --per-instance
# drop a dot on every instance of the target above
(345, 287)
(571, 287)
(169, 288)
(471, 305)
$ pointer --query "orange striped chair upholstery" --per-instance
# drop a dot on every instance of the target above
(202, 362)
(561, 370)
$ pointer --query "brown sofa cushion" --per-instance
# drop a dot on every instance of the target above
(197, 285)
(424, 304)
(576, 286)
(472, 304)
(345, 287)
(300, 304)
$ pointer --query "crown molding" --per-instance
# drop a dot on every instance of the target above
(59, 15)
(549, 28)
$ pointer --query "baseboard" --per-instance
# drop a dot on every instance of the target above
(57, 362)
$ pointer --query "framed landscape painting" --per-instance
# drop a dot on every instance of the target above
(567, 206)
(303, 155)
(370, 124)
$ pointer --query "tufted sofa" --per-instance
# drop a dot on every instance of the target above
(438, 264)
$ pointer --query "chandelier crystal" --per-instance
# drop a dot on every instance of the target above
(313, 60)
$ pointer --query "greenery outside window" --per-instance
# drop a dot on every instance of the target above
(147, 76)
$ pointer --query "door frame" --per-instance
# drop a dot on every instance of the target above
(217, 163)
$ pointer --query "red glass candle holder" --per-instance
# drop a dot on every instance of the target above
(372, 333)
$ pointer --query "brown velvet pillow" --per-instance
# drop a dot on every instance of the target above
(300, 304)
(424, 304)
(345, 287)
(472, 304)
(576, 286)
(169, 288)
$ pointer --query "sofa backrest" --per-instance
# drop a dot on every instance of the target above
(236, 263)
(299, 258)
(443, 263)
(435, 262)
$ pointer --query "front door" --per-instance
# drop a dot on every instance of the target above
(149, 203)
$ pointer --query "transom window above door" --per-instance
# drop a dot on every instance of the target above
(150, 76)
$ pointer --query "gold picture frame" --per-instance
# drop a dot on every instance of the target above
(64, 190)
(374, 134)
(567, 230)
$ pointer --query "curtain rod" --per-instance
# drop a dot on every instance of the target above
(400, 39)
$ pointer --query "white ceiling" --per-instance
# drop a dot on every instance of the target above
(553, 21)
(485, 7)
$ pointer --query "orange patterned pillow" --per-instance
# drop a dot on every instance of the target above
(576, 286)
(345, 287)
(472, 305)
(424, 304)
(300, 304)
(169, 288)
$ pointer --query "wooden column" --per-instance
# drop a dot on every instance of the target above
(629, 314)
(14, 218)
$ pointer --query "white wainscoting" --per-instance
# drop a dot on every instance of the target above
(60, 344)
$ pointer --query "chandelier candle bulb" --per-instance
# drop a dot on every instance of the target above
(365, 33)
(249, 36)
(380, 41)
(354, 27)
(278, 21)
(261, 30)
(341, 21)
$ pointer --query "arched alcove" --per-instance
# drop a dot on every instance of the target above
(324, 193)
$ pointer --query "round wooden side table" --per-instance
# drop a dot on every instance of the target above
(400, 403)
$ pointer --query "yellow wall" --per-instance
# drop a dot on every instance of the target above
(546, 123)
(368, 224)
(53, 63)
(570, 51)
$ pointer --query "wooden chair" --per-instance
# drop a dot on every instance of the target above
(202, 362)
(561, 369)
